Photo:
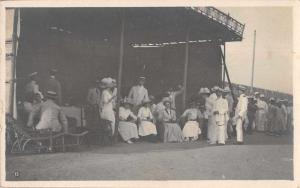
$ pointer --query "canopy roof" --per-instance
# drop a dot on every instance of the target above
(145, 25)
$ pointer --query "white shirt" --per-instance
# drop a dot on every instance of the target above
(241, 107)
(137, 94)
(145, 113)
(221, 106)
(125, 113)
(192, 114)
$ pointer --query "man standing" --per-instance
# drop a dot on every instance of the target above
(251, 113)
(32, 87)
(138, 94)
(240, 114)
(229, 98)
(173, 94)
(212, 127)
(220, 111)
(52, 84)
(93, 104)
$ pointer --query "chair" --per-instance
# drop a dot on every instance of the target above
(103, 133)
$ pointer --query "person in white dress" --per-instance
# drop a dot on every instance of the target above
(212, 126)
(127, 124)
(261, 113)
(147, 128)
(107, 97)
(240, 114)
(191, 129)
(220, 111)
(138, 94)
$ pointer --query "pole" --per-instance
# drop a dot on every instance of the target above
(14, 60)
(119, 82)
(224, 65)
(227, 74)
(186, 61)
(253, 61)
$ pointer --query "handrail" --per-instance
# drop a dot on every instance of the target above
(222, 18)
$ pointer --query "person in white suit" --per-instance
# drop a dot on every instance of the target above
(240, 114)
(138, 94)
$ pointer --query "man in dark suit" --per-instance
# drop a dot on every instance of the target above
(52, 84)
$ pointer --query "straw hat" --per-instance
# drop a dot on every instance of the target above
(201, 91)
(262, 95)
(227, 89)
(215, 88)
(51, 94)
(166, 100)
(146, 101)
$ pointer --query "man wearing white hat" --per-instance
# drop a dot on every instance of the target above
(138, 93)
(240, 114)
(220, 111)
(261, 115)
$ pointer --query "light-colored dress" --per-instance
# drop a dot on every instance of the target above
(221, 106)
(191, 127)
(212, 126)
(146, 127)
(51, 117)
(127, 129)
(261, 115)
(107, 111)
(172, 131)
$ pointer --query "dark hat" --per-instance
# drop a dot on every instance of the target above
(51, 94)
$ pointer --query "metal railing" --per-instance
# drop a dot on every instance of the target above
(222, 18)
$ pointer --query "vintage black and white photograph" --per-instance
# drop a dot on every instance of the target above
(148, 93)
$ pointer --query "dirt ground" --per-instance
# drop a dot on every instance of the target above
(262, 157)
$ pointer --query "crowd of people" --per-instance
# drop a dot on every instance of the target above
(211, 115)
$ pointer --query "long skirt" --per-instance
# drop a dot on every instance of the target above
(260, 120)
(109, 114)
(212, 130)
(172, 133)
(147, 128)
(221, 134)
(128, 130)
(191, 129)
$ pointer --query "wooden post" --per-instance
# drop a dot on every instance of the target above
(119, 82)
(224, 65)
(14, 61)
(186, 62)
(227, 74)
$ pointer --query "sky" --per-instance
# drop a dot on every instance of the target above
(273, 53)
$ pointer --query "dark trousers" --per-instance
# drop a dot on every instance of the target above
(251, 120)
(205, 124)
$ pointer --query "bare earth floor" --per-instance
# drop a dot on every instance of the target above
(262, 157)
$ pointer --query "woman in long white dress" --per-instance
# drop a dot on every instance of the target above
(172, 131)
(107, 97)
(191, 129)
(147, 128)
(127, 125)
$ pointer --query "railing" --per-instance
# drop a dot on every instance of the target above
(221, 18)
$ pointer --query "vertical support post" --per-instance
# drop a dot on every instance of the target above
(14, 60)
(227, 74)
(186, 62)
(224, 65)
(119, 82)
(253, 60)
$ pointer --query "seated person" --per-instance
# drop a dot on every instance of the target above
(147, 129)
(31, 102)
(127, 125)
(191, 128)
(51, 116)
(172, 131)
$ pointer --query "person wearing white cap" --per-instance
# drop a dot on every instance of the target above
(240, 114)
(212, 126)
(220, 112)
(147, 128)
(52, 84)
(107, 97)
(127, 125)
(261, 114)
(138, 94)
(50, 115)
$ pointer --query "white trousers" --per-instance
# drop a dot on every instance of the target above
(239, 130)
(221, 134)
